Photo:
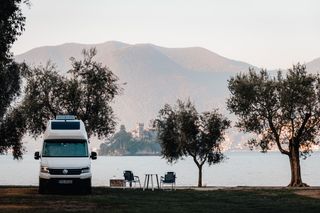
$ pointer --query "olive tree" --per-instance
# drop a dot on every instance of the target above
(283, 110)
(182, 131)
(12, 24)
(89, 93)
(86, 92)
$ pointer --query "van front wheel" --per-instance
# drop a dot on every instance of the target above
(42, 186)
(86, 186)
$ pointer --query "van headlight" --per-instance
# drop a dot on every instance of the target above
(85, 170)
(44, 169)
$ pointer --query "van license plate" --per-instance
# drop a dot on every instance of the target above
(65, 181)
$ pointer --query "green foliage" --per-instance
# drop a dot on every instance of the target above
(44, 97)
(94, 86)
(12, 131)
(283, 111)
(86, 93)
(182, 131)
(122, 143)
(12, 24)
(10, 81)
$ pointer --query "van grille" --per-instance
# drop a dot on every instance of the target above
(60, 171)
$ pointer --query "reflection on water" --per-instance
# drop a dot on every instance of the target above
(241, 168)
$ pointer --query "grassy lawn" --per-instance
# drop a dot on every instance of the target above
(26, 199)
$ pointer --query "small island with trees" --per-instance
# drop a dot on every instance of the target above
(139, 141)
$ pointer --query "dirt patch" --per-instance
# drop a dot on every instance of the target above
(5, 192)
(54, 205)
(29, 193)
(70, 206)
(309, 193)
(13, 206)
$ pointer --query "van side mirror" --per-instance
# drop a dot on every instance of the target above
(93, 155)
(37, 155)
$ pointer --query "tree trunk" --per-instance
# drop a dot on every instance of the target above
(200, 176)
(296, 180)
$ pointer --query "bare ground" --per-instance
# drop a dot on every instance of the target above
(312, 193)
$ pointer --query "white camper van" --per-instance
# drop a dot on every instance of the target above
(65, 157)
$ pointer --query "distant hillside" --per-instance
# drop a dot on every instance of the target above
(154, 75)
(314, 66)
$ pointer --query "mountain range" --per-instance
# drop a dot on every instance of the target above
(152, 75)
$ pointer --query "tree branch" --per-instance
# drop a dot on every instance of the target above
(196, 161)
(292, 127)
(277, 138)
(205, 159)
(302, 127)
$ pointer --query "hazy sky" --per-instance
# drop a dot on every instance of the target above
(265, 33)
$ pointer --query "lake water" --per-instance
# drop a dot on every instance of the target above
(240, 169)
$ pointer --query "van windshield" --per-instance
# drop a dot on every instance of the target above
(65, 148)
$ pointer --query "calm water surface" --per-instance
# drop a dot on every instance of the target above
(240, 169)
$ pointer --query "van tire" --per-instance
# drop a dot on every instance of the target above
(87, 189)
(42, 186)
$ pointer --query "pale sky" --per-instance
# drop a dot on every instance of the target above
(266, 33)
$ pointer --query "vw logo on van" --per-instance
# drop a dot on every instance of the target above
(65, 171)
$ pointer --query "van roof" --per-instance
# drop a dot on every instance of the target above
(65, 129)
